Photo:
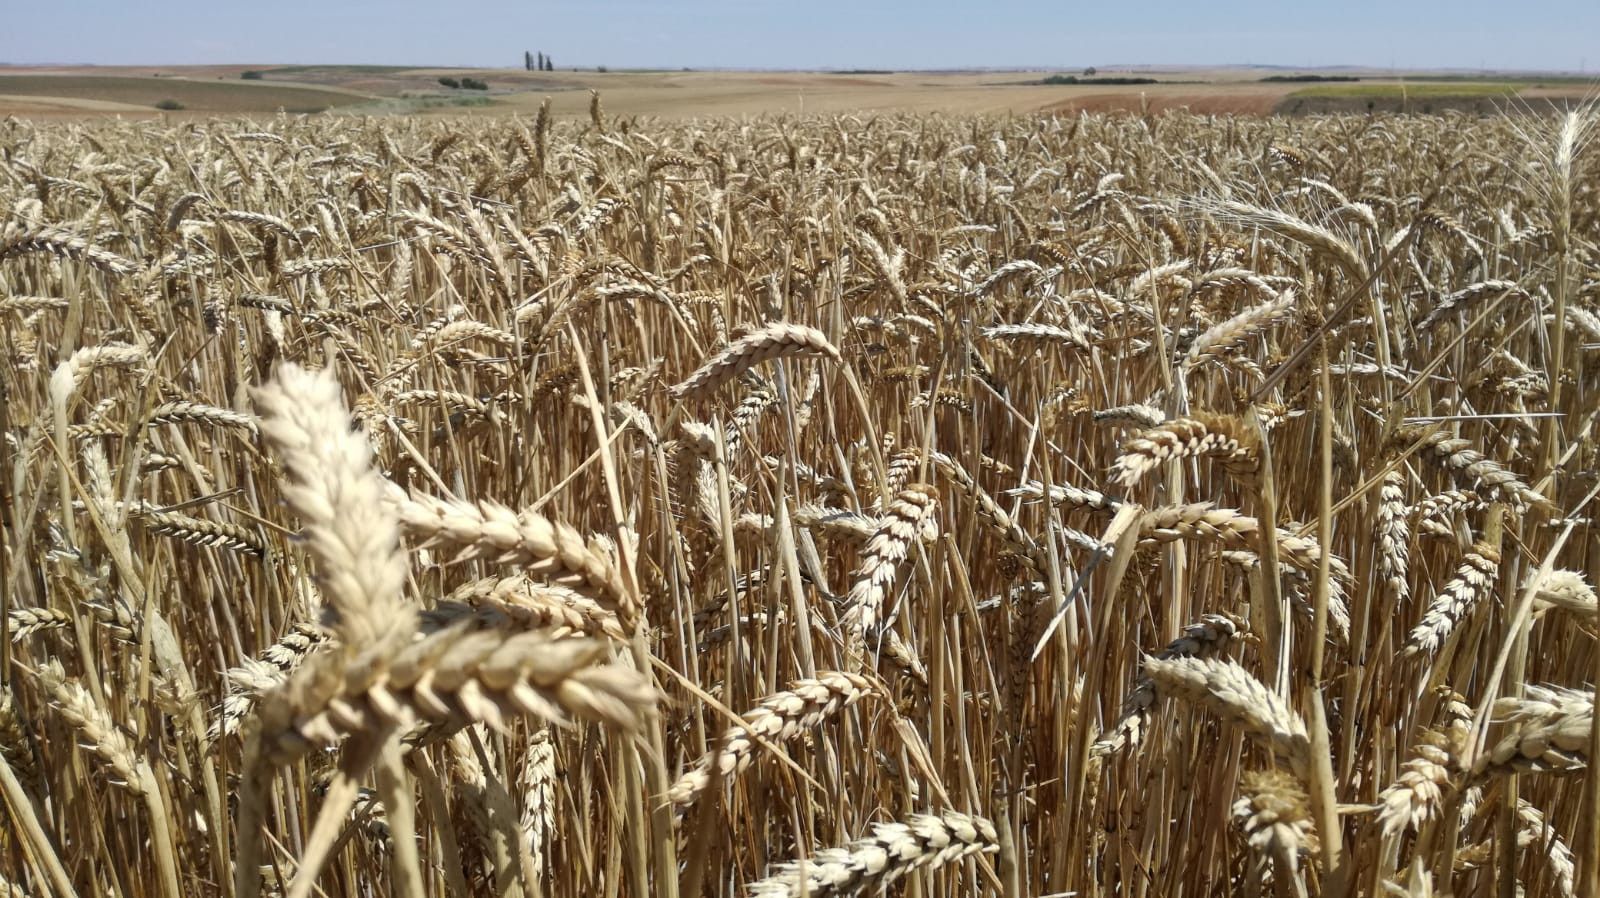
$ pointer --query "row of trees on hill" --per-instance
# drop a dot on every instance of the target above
(537, 63)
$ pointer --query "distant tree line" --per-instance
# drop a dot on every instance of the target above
(1310, 78)
(1074, 79)
(537, 62)
(465, 83)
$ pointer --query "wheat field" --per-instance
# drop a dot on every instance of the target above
(1112, 505)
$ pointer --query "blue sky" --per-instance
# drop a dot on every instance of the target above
(1539, 34)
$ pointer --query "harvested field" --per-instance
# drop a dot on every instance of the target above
(124, 94)
(1235, 101)
(944, 505)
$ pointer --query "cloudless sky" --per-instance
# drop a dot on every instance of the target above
(1536, 34)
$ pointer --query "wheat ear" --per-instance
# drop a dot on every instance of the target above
(1319, 240)
(518, 600)
(875, 861)
(172, 412)
(908, 518)
(1021, 545)
(1537, 831)
(776, 720)
(771, 342)
(16, 241)
(1232, 333)
(1235, 695)
(1214, 436)
(1569, 591)
(1417, 793)
(1208, 636)
(541, 546)
(259, 675)
(349, 529)
(1394, 538)
(24, 622)
(101, 734)
(1472, 583)
(1275, 814)
(538, 784)
(1549, 731)
(450, 679)
(1205, 522)
(1488, 477)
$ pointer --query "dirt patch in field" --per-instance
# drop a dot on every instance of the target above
(821, 81)
(127, 93)
(66, 106)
